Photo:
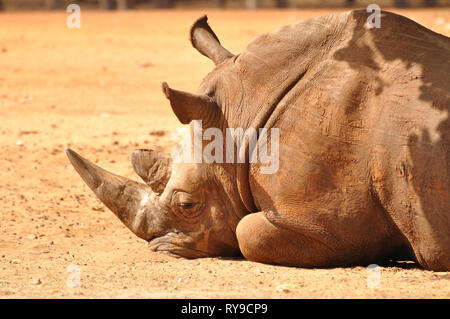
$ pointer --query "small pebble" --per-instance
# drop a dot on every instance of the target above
(284, 288)
(36, 281)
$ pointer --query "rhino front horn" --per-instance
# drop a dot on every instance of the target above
(132, 202)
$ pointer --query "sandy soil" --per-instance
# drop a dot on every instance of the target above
(97, 89)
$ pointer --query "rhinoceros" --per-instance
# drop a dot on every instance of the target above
(363, 148)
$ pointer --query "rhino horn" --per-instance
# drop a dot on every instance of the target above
(206, 42)
(130, 201)
(188, 106)
(153, 167)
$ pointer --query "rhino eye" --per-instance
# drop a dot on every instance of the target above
(187, 205)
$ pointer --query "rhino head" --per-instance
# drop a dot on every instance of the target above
(184, 209)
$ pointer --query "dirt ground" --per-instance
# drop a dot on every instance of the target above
(97, 90)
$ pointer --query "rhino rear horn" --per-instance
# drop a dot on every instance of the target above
(131, 201)
(153, 167)
(188, 106)
(206, 42)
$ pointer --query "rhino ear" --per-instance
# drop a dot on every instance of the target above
(206, 42)
(153, 167)
(188, 107)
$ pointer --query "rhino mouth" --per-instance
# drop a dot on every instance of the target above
(167, 245)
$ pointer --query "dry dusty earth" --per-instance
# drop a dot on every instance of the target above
(97, 90)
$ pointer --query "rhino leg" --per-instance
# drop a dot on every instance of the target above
(262, 241)
(319, 245)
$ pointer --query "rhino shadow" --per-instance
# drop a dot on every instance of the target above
(402, 264)
(401, 40)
